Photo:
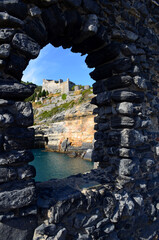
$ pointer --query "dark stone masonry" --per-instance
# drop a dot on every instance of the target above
(120, 199)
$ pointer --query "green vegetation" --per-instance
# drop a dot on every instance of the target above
(86, 92)
(26, 83)
(38, 93)
(73, 88)
(55, 110)
(64, 96)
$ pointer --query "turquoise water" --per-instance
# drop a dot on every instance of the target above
(56, 165)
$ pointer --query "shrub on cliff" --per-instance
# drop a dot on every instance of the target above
(64, 96)
(55, 110)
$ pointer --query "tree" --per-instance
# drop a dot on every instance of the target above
(39, 95)
(43, 94)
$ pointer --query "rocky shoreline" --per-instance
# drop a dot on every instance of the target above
(84, 151)
(70, 131)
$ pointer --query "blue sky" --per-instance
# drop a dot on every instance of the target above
(58, 63)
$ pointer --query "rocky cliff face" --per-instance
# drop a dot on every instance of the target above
(75, 124)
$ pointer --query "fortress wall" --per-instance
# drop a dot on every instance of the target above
(65, 87)
(121, 40)
(51, 86)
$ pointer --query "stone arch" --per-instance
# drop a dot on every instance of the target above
(121, 40)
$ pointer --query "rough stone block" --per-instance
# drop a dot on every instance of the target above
(14, 7)
(24, 114)
(127, 96)
(16, 194)
(16, 138)
(91, 6)
(92, 43)
(122, 122)
(6, 34)
(26, 172)
(132, 138)
(4, 50)
(103, 98)
(35, 11)
(26, 45)
(128, 167)
(54, 21)
(8, 21)
(107, 70)
(6, 120)
(42, 3)
(35, 28)
(7, 174)
(19, 228)
(103, 55)
(74, 3)
(16, 157)
(13, 90)
(16, 65)
(128, 108)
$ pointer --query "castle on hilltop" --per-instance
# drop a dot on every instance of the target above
(53, 86)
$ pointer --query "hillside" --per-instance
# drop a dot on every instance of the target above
(60, 117)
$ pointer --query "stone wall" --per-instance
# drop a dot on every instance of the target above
(53, 86)
(121, 40)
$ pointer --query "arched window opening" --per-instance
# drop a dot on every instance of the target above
(63, 115)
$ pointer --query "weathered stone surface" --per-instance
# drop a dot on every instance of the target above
(123, 96)
(132, 138)
(89, 29)
(61, 234)
(16, 66)
(129, 50)
(103, 55)
(26, 45)
(112, 83)
(9, 21)
(7, 174)
(125, 138)
(35, 29)
(24, 114)
(74, 3)
(6, 34)
(128, 108)
(35, 11)
(128, 167)
(6, 120)
(15, 157)
(74, 23)
(14, 7)
(5, 102)
(103, 98)
(4, 50)
(42, 3)
(17, 138)
(140, 82)
(26, 172)
(14, 90)
(121, 152)
(2, 64)
(88, 155)
(55, 24)
(91, 6)
(19, 228)
(107, 70)
(16, 195)
(20, 173)
(122, 122)
(92, 43)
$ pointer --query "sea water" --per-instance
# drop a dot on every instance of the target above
(57, 165)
